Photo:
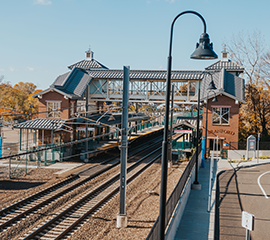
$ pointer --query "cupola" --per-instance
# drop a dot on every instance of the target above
(224, 55)
(89, 55)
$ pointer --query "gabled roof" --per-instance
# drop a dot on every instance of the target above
(226, 83)
(113, 119)
(42, 123)
(72, 84)
(189, 122)
(146, 74)
(88, 64)
(58, 90)
(229, 65)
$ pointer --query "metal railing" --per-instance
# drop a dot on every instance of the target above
(174, 197)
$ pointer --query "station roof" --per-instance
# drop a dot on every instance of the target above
(113, 119)
(42, 123)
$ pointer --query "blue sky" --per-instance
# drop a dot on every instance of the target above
(40, 38)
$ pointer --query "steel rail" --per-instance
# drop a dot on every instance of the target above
(90, 194)
(43, 193)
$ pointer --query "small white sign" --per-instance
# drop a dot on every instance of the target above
(182, 131)
(248, 221)
(83, 129)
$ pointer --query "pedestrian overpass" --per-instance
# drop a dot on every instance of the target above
(144, 86)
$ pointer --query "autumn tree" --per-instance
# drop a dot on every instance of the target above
(19, 98)
(249, 51)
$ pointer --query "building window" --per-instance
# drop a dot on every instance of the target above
(221, 115)
(72, 108)
(81, 107)
(53, 109)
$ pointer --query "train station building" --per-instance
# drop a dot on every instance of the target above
(62, 107)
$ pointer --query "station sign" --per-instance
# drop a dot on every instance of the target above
(248, 221)
(251, 143)
(83, 129)
(182, 131)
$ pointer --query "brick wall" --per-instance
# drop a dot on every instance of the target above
(227, 133)
(54, 96)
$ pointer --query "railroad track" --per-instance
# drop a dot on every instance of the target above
(59, 225)
(22, 209)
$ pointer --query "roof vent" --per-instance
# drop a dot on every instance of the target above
(225, 55)
(89, 55)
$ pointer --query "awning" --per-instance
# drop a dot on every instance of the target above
(192, 123)
(112, 119)
(42, 124)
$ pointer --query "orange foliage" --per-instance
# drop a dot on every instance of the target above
(17, 102)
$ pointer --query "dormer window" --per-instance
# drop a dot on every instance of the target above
(88, 55)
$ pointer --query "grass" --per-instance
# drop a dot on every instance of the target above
(264, 157)
(237, 161)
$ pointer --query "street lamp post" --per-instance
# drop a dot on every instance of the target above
(211, 87)
(204, 50)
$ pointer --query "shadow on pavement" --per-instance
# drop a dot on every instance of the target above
(229, 207)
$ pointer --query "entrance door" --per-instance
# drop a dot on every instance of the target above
(220, 144)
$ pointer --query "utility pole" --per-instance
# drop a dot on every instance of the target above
(258, 147)
(86, 126)
(170, 155)
(122, 216)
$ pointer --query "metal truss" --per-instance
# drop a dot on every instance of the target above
(143, 90)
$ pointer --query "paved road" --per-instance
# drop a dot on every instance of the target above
(239, 190)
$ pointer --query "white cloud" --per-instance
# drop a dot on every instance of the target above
(12, 69)
(43, 2)
(2, 70)
(170, 1)
(30, 69)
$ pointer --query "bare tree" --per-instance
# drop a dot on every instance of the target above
(250, 51)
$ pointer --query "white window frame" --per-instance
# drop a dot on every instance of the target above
(72, 109)
(53, 109)
(220, 115)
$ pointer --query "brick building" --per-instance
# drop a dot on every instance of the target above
(223, 115)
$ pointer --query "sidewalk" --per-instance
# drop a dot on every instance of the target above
(196, 222)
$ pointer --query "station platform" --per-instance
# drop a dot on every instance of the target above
(104, 145)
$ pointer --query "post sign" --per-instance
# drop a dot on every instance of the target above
(248, 221)
(251, 143)
(251, 146)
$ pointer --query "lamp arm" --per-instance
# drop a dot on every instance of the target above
(180, 14)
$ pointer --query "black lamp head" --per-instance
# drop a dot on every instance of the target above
(215, 99)
(204, 49)
(212, 86)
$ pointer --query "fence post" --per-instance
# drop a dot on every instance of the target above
(26, 164)
(53, 157)
(9, 165)
(45, 158)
